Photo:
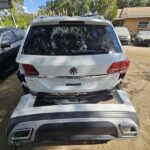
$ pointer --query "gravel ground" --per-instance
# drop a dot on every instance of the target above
(136, 83)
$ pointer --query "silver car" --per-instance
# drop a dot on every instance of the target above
(142, 38)
(123, 35)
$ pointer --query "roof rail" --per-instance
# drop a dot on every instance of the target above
(41, 17)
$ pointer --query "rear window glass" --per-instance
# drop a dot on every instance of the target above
(71, 40)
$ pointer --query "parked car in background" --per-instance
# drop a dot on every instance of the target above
(123, 34)
(142, 38)
(10, 41)
(71, 55)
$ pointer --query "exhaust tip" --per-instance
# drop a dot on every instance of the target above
(22, 135)
(128, 130)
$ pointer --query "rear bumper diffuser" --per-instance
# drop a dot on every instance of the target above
(72, 123)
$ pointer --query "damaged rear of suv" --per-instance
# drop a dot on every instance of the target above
(55, 120)
(71, 55)
(71, 67)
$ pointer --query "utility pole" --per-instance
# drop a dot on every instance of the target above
(128, 3)
(13, 18)
(127, 6)
(1, 22)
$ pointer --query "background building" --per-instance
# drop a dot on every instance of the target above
(134, 18)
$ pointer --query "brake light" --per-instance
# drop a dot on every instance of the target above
(30, 70)
(120, 67)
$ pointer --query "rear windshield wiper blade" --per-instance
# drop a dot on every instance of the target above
(76, 52)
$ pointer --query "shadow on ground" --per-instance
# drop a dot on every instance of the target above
(10, 93)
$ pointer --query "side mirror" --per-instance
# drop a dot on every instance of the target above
(5, 44)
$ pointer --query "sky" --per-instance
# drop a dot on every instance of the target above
(31, 6)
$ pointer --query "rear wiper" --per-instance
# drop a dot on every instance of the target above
(76, 52)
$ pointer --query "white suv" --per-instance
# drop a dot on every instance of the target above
(71, 55)
(68, 62)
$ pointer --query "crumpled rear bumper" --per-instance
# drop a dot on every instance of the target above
(72, 123)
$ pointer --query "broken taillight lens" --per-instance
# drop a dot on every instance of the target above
(30, 70)
(120, 67)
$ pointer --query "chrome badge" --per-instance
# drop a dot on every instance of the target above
(73, 71)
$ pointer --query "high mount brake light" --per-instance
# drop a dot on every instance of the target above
(120, 67)
(30, 70)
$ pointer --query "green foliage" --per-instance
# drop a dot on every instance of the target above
(133, 3)
(22, 19)
(19, 1)
(107, 8)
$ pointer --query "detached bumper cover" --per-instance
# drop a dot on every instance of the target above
(73, 123)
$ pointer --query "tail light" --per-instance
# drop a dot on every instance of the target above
(30, 70)
(120, 67)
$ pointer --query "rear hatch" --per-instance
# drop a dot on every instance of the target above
(72, 57)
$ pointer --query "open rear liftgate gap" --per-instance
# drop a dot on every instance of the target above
(72, 123)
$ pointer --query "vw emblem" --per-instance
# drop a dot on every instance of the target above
(73, 71)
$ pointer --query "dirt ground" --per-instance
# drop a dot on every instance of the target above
(136, 83)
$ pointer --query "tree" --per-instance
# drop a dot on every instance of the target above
(108, 8)
(133, 3)
(42, 10)
(22, 19)
(19, 1)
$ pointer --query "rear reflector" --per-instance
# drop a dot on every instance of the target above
(30, 70)
(120, 67)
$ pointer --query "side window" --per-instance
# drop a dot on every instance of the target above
(8, 36)
(19, 34)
